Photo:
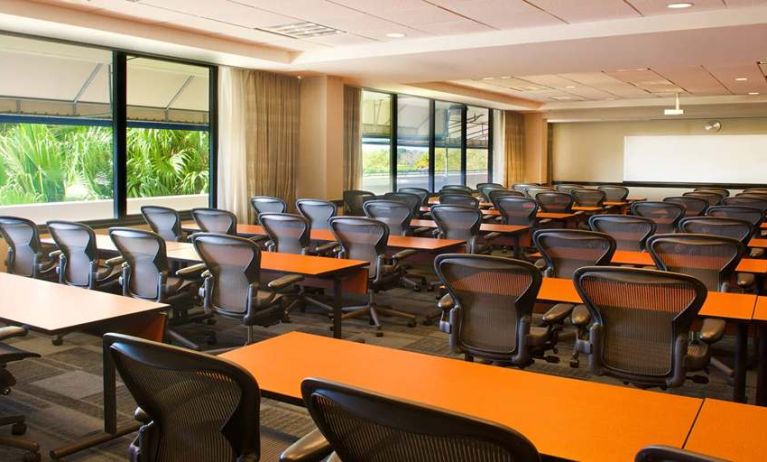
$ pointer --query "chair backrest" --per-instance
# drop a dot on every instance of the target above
(458, 222)
(288, 233)
(517, 210)
(145, 254)
(318, 212)
(215, 221)
(567, 188)
(24, 247)
(641, 322)
(77, 243)
(753, 191)
(711, 197)
(710, 259)
(522, 187)
(757, 201)
(496, 194)
(494, 299)
(365, 426)
(566, 250)
(614, 193)
(588, 197)
(721, 191)
(422, 193)
(164, 221)
(455, 188)
(267, 204)
(740, 212)
(716, 226)
(693, 206)
(202, 407)
(533, 191)
(485, 188)
(555, 202)
(395, 214)
(353, 200)
(235, 265)
(661, 453)
(411, 200)
(458, 199)
(665, 214)
(629, 231)
(361, 239)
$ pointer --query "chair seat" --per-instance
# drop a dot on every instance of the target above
(108, 274)
(175, 285)
(10, 353)
(538, 336)
(697, 356)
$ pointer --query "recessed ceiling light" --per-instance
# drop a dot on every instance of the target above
(570, 87)
(679, 5)
(753, 93)
(395, 35)
(741, 79)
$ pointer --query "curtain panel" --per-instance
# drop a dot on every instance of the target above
(352, 139)
(514, 146)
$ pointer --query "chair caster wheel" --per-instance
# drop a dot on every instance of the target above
(18, 429)
(32, 457)
(575, 364)
(58, 341)
(211, 340)
(412, 323)
(551, 359)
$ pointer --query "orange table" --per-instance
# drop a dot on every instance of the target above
(729, 431)
(513, 231)
(104, 243)
(555, 216)
(760, 318)
(758, 243)
(630, 257)
(603, 422)
(591, 209)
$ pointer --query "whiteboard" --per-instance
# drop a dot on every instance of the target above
(696, 159)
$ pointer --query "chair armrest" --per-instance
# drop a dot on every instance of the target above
(557, 313)
(421, 230)
(285, 281)
(310, 448)
(745, 280)
(712, 330)
(191, 271)
(446, 303)
(540, 264)
(54, 254)
(114, 262)
(402, 254)
(663, 452)
(140, 416)
(544, 221)
(258, 238)
(12, 331)
(581, 316)
(491, 236)
(756, 253)
(326, 247)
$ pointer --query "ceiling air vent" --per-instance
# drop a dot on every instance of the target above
(303, 29)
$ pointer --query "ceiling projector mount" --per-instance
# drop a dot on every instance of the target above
(677, 111)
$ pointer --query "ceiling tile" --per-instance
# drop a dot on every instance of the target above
(501, 14)
(755, 80)
(224, 11)
(694, 80)
(656, 7)
(586, 10)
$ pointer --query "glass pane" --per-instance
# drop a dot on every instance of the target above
(376, 141)
(55, 131)
(476, 167)
(477, 136)
(447, 142)
(168, 134)
(413, 127)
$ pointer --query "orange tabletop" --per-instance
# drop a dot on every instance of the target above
(104, 243)
(555, 216)
(603, 422)
(579, 208)
(485, 227)
(763, 225)
(731, 431)
(615, 203)
(635, 199)
(760, 310)
(631, 257)
(54, 308)
(718, 304)
(758, 243)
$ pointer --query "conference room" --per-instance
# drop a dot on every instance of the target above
(418, 230)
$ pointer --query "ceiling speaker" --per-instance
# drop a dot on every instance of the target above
(713, 126)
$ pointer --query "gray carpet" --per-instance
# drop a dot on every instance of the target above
(60, 393)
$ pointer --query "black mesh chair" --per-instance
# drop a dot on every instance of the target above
(215, 221)
(563, 252)
(455, 189)
(413, 201)
(365, 239)
(533, 191)
(721, 191)
(522, 187)
(756, 201)
(164, 221)
(318, 212)
(630, 232)
(716, 226)
(27, 256)
(666, 215)
(79, 263)
(232, 282)
(146, 275)
(489, 306)
(517, 210)
(194, 406)
(641, 320)
(422, 193)
(693, 206)
(485, 188)
(739, 212)
(661, 453)
(567, 188)
(588, 197)
(362, 426)
(353, 201)
(267, 204)
(555, 202)
(753, 191)
(496, 194)
(458, 199)
(614, 193)
(709, 196)
(459, 222)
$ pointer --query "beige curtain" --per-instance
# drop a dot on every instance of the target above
(352, 140)
(258, 132)
(514, 144)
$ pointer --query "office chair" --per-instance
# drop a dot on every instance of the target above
(353, 201)
(716, 226)
(721, 191)
(232, 282)
(489, 184)
(411, 200)
(588, 197)
(563, 252)
(711, 197)
(267, 204)
(629, 231)
(739, 212)
(489, 306)
(756, 201)
(455, 189)
(215, 221)
(459, 222)
(517, 210)
(567, 188)
(661, 453)
(422, 193)
(164, 221)
(485, 188)
(496, 194)
(363, 426)
(693, 206)
(365, 239)
(194, 406)
(533, 191)
(753, 191)
(318, 212)
(555, 202)
(614, 193)
(458, 199)
(27, 256)
(666, 215)
(79, 263)
(9, 354)
(641, 320)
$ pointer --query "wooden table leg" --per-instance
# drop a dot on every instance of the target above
(761, 376)
(337, 304)
(741, 362)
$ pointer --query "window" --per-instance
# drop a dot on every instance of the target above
(376, 133)
(413, 133)
(477, 145)
(448, 123)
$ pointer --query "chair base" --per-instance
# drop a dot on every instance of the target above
(372, 309)
(19, 427)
